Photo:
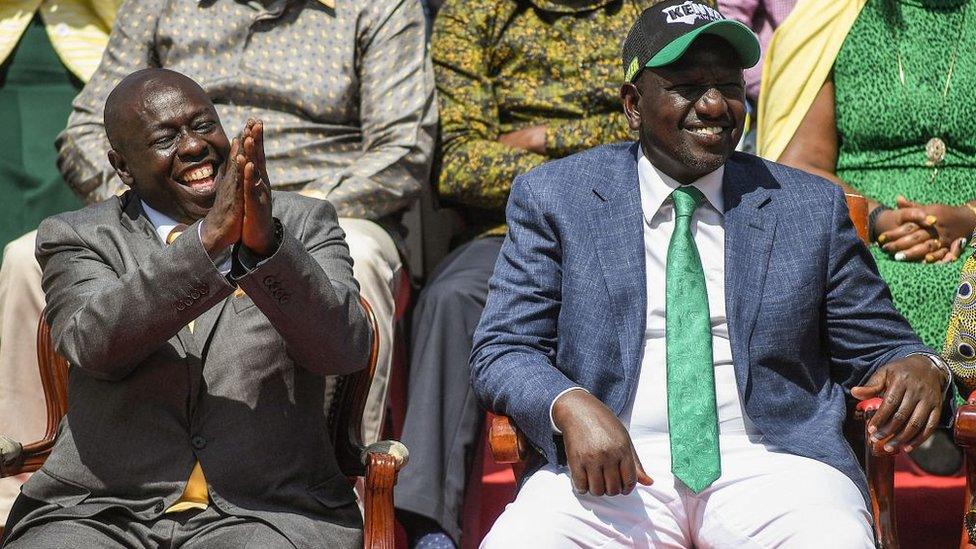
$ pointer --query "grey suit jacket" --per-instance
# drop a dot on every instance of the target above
(243, 393)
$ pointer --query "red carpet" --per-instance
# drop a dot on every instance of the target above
(929, 508)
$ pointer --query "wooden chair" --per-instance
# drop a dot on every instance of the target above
(964, 433)
(509, 446)
(379, 463)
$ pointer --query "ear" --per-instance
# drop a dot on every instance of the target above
(630, 97)
(121, 168)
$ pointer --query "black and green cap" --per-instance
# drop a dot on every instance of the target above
(663, 32)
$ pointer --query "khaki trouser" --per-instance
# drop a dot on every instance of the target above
(376, 266)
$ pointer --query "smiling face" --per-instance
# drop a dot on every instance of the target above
(690, 113)
(167, 142)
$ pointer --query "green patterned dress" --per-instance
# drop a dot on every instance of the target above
(35, 99)
(884, 126)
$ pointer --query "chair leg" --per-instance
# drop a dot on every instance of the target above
(379, 521)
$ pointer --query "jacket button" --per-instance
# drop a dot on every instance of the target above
(198, 442)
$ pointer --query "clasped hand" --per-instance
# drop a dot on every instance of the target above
(925, 232)
(242, 206)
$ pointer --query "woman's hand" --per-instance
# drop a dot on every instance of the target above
(909, 234)
(952, 222)
(948, 229)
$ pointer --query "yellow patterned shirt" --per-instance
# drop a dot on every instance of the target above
(503, 65)
(78, 29)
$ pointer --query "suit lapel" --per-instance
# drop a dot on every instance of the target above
(616, 223)
(749, 230)
(142, 242)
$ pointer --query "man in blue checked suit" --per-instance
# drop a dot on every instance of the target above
(677, 327)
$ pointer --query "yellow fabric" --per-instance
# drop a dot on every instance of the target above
(798, 60)
(195, 495)
(78, 29)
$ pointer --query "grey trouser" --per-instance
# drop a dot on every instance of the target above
(115, 528)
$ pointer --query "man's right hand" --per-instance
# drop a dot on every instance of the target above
(600, 454)
(222, 224)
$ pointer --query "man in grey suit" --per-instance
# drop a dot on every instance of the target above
(677, 328)
(196, 414)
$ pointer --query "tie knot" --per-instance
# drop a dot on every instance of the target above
(686, 199)
(175, 233)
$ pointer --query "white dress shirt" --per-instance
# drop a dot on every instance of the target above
(647, 412)
(165, 224)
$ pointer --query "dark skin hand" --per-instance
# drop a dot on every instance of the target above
(532, 139)
(257, 231)
(911, 232)
(912, 389)
(599, 452)
(222, 224)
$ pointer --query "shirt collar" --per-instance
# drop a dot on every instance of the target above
(656, 187)
(163, 223)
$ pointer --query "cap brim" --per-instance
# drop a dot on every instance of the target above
(742, 39)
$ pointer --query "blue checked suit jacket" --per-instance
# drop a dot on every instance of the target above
(808, 315)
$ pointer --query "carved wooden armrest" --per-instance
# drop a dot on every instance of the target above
(964, 433)
(508, 444)
(880, 469)
(17, 458)
(383, 460)
(11, 457)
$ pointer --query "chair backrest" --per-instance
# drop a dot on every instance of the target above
(345, 410)
(857, 209)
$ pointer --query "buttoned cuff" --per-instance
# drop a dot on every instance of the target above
(552, 405)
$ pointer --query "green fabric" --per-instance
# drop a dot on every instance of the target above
(692, 413)
(883, 129)
(36, 91)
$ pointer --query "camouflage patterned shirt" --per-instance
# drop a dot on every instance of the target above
(503, 65)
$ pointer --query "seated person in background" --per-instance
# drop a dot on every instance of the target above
(763, 17)
(47, 50)
(190, 421)
(877, 97)
(651, 318)
(350, 117)
(519, 83)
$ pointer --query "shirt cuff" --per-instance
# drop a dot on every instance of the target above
(552, 422)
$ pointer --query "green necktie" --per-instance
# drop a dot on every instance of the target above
(692, 415)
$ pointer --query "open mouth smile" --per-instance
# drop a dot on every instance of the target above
(200, 179)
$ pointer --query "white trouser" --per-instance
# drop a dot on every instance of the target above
(376, 266)
(22, 412)
(763, 499)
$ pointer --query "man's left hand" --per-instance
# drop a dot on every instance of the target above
(258, 231)
(913, 389)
